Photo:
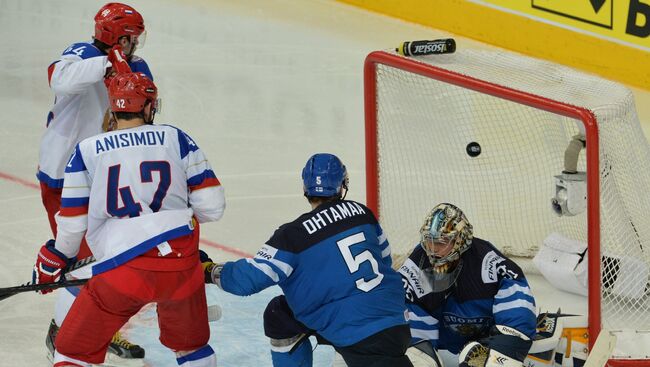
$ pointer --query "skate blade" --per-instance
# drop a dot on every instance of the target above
(114, 361)
(111, 361)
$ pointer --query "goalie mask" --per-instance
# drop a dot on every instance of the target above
(444, 236)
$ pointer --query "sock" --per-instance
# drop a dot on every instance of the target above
(301, 357)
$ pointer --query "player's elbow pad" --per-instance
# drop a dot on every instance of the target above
(208, 203)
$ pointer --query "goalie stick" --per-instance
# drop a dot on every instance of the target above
(602, 350)
(28, 287)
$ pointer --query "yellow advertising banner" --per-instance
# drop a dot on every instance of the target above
(625, 21)
(607, 37)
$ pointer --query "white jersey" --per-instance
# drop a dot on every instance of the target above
(81, 100)
(134, 189)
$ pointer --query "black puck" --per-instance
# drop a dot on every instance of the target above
(473, 149)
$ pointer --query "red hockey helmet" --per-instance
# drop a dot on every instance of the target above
(115, 20)
(129, 92)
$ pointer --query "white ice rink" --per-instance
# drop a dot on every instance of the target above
(260, 84)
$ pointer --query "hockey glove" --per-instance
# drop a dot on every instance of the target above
(50, 264)
(118, 60)
(506, 347)
(119, 65)
(475, 354)
(207, 264)
(211, 270)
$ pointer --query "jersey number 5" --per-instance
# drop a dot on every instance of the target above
(354, 262)
(130, 207)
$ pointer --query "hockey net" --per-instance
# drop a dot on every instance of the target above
(421, 114)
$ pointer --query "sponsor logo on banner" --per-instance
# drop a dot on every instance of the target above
(596, 12)
(625, 20)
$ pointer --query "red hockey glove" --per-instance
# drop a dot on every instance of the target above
(50, 264)
(118, 62)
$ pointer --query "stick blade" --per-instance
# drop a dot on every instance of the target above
(602, 350)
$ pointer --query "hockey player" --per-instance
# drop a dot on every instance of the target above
(78, 81)
(333, 264)
(136, 193)
(466, 297)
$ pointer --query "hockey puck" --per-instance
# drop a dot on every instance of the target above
(473, 149)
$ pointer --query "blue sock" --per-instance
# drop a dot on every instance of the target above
(301, 357)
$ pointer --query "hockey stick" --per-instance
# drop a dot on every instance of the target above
(602, 350)
(28, 287)
(11, 291)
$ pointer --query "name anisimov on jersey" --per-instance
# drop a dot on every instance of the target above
(129, 139)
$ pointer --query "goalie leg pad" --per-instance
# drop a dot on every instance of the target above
(561, 340)
(423, 353)
(573, 346)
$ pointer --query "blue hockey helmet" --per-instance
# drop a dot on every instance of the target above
(324, 175)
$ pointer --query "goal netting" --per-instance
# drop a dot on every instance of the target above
(421, 115)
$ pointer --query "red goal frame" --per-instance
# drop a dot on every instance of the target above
(571, 111)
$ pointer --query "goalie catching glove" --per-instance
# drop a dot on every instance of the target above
(50, 264)
(506, 348)
(211, 270)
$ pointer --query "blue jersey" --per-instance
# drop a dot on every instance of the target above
(334, 267)
(490, 290)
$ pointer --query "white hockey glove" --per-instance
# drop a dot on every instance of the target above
(485, 353)
(475, 354)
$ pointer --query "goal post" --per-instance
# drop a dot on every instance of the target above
(422, 114)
